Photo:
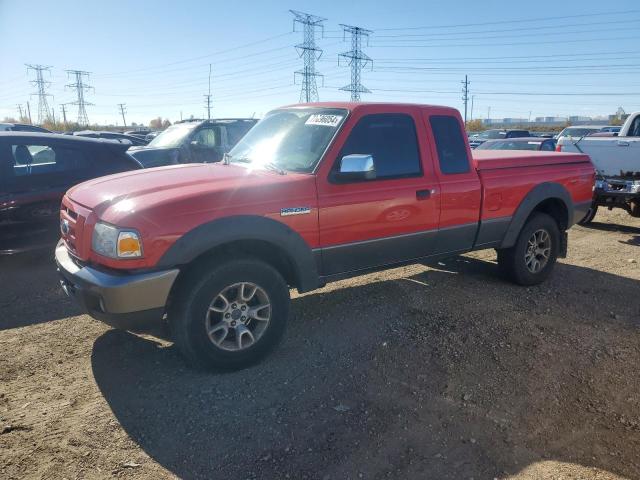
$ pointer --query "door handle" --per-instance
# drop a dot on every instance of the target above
(423, 194)
(622, 143)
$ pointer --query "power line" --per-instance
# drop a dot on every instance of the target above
(520, 20)
(80, 87)
(309, 52)
(43, 105)
(356, 59)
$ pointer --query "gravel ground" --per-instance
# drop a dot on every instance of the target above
(428, 372)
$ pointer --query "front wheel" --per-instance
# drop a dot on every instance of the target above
(531, 260)
(230, 315)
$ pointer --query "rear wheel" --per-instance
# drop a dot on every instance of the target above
(531, 260)
(591, 213)
(231, 315)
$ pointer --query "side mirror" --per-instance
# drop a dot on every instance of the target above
(356, 167)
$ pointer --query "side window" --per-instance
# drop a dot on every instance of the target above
(236, 131)
(207, 137)
(547, 147)
(391, 140)
(30, 160)
(634, 129)
(450, 144)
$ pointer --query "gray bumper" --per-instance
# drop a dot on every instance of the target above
(127, 301)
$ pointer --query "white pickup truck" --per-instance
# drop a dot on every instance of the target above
(617, 163)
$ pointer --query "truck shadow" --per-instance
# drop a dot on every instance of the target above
(612, 227)
(27, 280)
(448, 373)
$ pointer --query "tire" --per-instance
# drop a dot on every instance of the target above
(518, 262)
(212, 335)
(591, 213)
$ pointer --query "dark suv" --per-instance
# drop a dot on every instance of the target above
(193, 141)
(36, 169)
(496, 134)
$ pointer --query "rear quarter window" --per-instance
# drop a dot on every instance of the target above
(450, 144)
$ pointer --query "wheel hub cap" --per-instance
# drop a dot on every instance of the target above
(538, 251)
(238, 316)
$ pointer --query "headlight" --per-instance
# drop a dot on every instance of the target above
(113, 242)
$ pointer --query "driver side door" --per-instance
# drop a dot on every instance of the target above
(388, 219)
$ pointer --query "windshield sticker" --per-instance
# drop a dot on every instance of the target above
(325, 120)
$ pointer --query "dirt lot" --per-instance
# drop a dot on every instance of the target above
(442, 372)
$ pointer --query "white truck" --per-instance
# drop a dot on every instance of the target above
(617, 163)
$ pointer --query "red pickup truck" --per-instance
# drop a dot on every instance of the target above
(312, 194)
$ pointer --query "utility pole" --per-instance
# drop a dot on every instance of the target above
(64, 115)
(122, 109)
(41, 85)
(53, 116)
(465, 96)
(21, 117)
(208, 96)
(356, 59)
(309, 52)
(80, 88)
(29, 112)
(488, 114)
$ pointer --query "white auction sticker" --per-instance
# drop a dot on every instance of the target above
(325, 120)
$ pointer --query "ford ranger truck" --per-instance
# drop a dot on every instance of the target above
(312, 194)
(617, 163)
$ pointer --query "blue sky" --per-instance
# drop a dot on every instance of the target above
(154, 56)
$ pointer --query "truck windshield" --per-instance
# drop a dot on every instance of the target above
(172, 136)
(291, 139)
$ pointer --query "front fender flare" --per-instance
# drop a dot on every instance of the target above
(222, 231)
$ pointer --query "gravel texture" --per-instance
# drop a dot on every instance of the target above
(425, 372)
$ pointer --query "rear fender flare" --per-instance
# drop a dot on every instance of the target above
(535, 197)
(223, 231)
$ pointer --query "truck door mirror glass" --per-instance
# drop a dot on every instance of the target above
(356, 167)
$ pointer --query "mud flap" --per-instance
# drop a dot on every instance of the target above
(564, 241)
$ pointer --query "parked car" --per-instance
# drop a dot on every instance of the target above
(312, 194)
(22, 127)
(611, 129)
(617, 163)
(522, 143)
(121, 137)
(140, 132)
(35, 171)
(151, 135)
(579, 131)
(496, 134)
(193, 141)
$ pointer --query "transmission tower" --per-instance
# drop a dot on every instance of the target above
(356, 59)
(309, 52)
(21, 117)
(80, 87)
(63, 106)
(44, 114)
(208, 97)
(465, 96)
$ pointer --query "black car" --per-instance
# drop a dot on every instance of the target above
(521, 143)
(22, 127)
(132, 139)
(496, 134)
(193, 141)
(36, 170)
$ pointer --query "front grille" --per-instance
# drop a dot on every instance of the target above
(72, 226)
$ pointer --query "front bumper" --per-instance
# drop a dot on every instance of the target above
(129, 301)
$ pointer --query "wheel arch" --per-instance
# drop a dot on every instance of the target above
(259, 237)
(550, 198)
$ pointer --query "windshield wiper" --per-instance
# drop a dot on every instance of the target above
(275, 168)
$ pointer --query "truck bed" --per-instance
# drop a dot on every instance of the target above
(499, 159)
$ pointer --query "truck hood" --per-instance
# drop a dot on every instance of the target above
(115, 196)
